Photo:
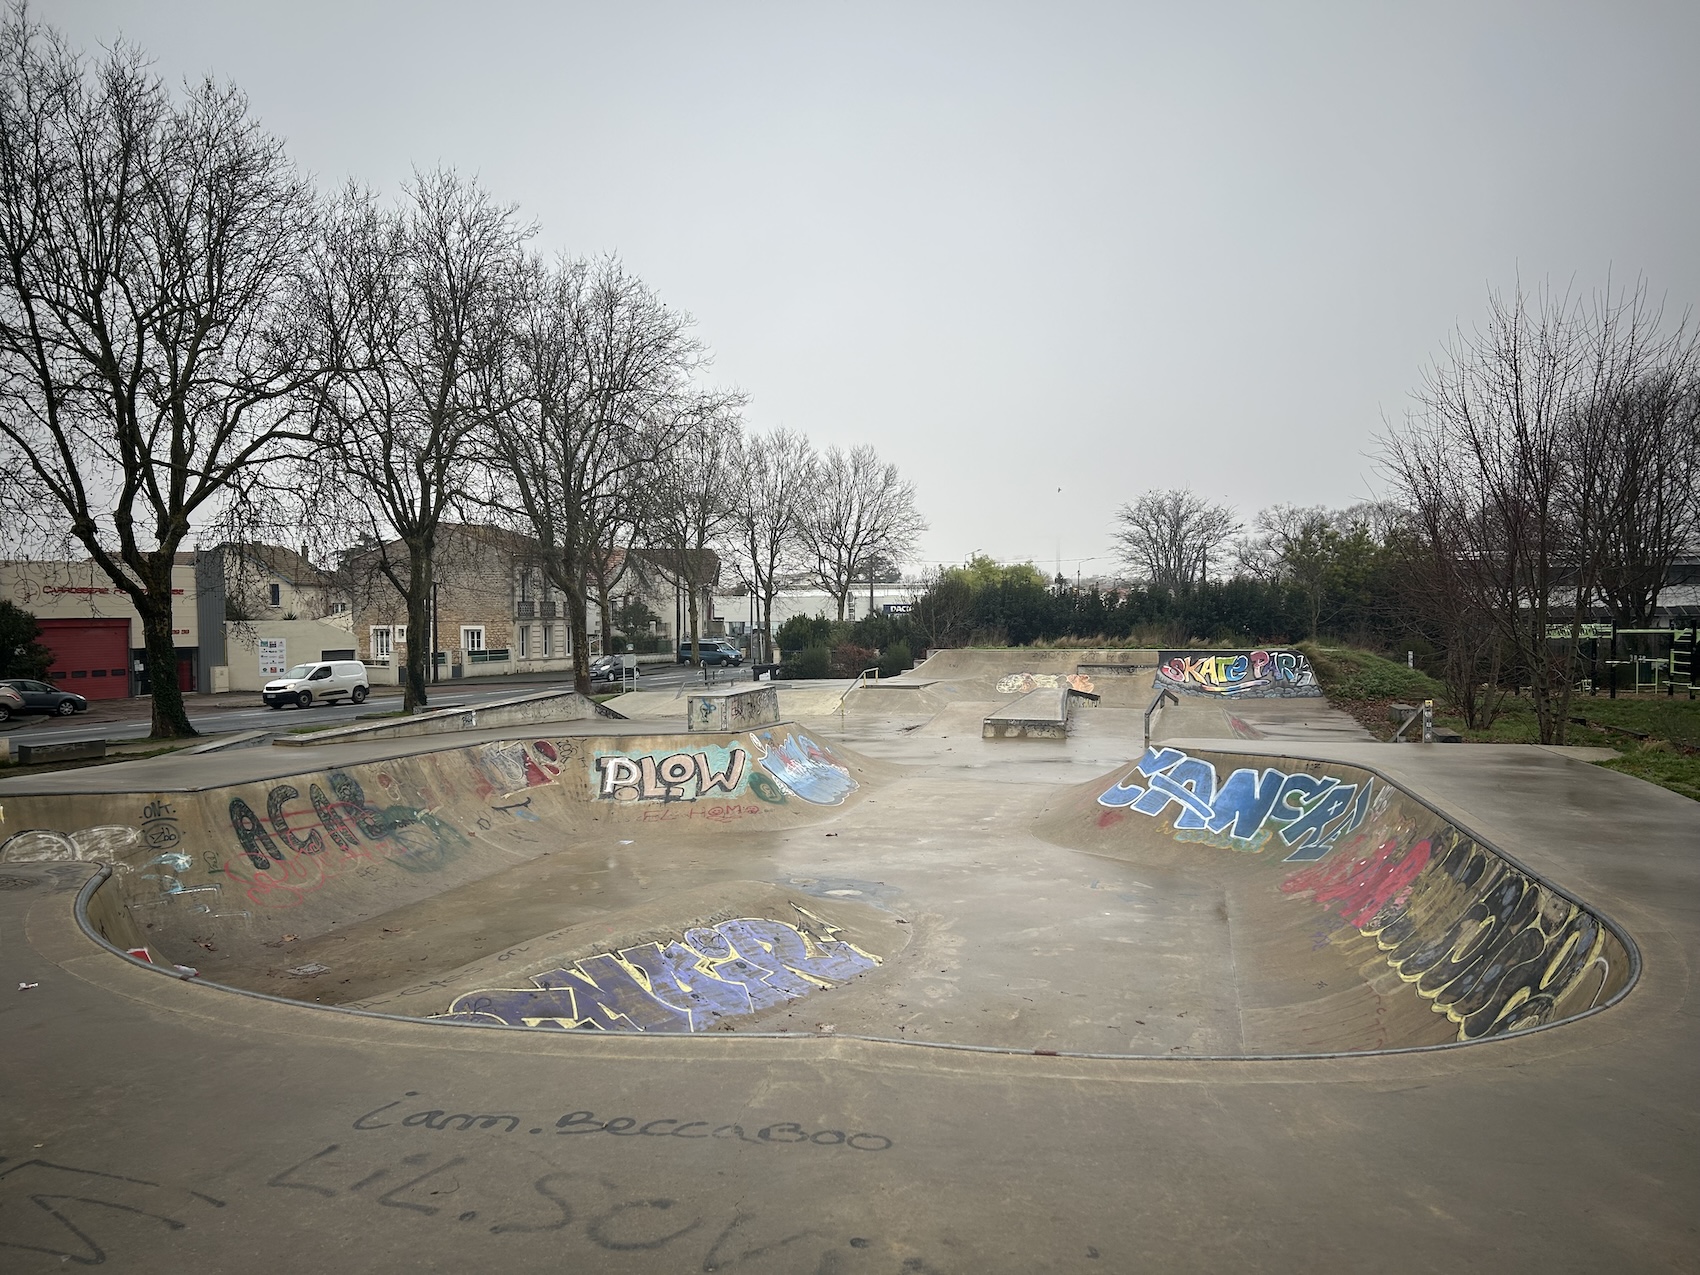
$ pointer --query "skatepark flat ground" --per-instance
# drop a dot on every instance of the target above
(152, 1123)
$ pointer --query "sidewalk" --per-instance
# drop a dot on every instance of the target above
(140, 707)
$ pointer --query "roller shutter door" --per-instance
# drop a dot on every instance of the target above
(90, 657)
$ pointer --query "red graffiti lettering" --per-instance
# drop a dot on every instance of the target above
(1359, 887)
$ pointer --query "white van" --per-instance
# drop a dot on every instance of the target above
(328, 680)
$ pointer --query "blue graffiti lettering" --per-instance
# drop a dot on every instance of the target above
(732, 969)
(1310, 813)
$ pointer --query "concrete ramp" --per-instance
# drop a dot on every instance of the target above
(1355, 917)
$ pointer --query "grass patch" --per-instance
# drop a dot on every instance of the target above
(1655, 738)
(1350, 674)
(1680, 772)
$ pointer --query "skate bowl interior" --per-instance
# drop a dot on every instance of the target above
(923, 886)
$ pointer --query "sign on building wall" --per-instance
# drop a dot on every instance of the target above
(273, 661)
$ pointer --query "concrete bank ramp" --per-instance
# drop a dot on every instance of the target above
(248, 883)
(1355, 917)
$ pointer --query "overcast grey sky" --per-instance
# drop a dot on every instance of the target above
(1094, 248)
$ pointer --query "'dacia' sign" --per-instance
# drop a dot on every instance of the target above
(1274, 672)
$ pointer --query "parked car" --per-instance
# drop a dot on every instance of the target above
(10, 701)
(39, 697)
(606, 668)
(713, 651)
(328, 680)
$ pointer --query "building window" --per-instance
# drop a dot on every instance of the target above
(472, 637)
(381, 648)
(525, 641)
(277, 595)
(401, 635)
(547, 630)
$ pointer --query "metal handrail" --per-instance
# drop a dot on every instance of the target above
(1163, 693)
(861, 680)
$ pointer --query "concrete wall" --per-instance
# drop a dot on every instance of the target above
(1265, 673)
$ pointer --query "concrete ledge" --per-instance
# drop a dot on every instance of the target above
(1040, 714)
(519, 710)
(735, 708)
(31, 754)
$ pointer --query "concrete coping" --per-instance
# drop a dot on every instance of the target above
(244, 739)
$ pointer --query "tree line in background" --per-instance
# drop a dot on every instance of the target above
(194, 339)
(1547, 479)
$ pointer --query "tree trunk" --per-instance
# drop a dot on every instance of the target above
(421, 642)
(579, 635)
(606, 609)
(170, 718)
(696, 650)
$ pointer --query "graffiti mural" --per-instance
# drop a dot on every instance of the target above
(510, 765)
(302, 844)
(728, 970)
(1270, 674)
(805, 768)
(712, 769)
(1309, 813)
(1021, 683)
(43, 845)
(1492, 947)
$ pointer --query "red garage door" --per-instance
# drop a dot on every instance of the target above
(90, 657)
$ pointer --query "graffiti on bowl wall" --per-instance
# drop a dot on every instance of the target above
(1309, 813)
(1248, 674)
(1493, 949)
(680, 775)
(689, 984)
(306, 840)
(805, 768)
(1022, 683)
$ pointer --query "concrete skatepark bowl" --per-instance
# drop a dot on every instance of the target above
(857, 991)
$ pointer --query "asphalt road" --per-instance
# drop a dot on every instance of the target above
(240, 711)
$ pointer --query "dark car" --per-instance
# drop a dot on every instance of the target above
(606, 668)
(714, 651)
(39, 697)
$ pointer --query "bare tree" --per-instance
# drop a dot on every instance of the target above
(598, 390)
(1648, 415)
(411, 303)
(1170, 538)
(774, 474)
(151, 348)
(1441, 581)
(1494, 450)
(696, 491)
(860, 513)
